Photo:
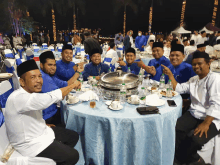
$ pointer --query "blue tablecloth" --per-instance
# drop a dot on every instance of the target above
(123, 137)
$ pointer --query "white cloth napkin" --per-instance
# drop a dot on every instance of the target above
(152, 98)
(89, 95)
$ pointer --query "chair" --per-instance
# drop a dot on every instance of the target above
(8, 53)
(51, 48)
(82, 50)
(29, 54)
(34, 44)
(110, 60)
(10, 69)
(16, 158)
(44, 45)
(5, 90)
(20, 51)
(36, 48)
(69, 43)
(59, 49)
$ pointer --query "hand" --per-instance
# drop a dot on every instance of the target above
(140, 63)
(77, 84)
(166, 70)
(143, 46)
(121, 63)
(50, 125)
(202, 128)
(80, 68)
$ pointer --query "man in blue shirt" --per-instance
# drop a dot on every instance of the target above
(155, 64)
(130, 56)
(95, 67)
(121, 38)
(66, 69)
(140, 41)
(50, 82)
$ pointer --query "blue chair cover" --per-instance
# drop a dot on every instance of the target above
(82, 50)
(59, 50)
(78, 50)
(69, 44)
(18, 62)
(107, 60)
(87, 56)
(36, 50)
(30, 57)
(9, 55)
(44, 46)
(2, 120)
(52, 50)
(120, 48)
(4, 97)
(20, 52)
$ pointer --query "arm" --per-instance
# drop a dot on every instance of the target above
(41, 101)
(170, 75)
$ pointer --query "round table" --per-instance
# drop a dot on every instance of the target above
(123, 137)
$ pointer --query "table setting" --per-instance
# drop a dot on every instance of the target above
(115, 129)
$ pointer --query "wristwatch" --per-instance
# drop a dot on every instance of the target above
(77, 72)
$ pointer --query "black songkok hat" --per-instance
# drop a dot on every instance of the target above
(177, 47)
(198, 54)
(206, 43)
(202, 31)
(94, 51)
(200, 45)
(45, 55)
(26, 66)
(185, 40)
(218, 31)
(151, 40)
(66, 46)
(157, 44)
(130, 50)
(112, 44)
(218, 41)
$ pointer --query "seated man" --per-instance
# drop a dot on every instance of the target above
(25, 126)
(130, 56)
(203, 117)
(200, 48)
(50, 83)
(112, 51)
(65, 67)
(118, 41)
(155, 64)
(95, 67)
(148, 49)
(189, 48)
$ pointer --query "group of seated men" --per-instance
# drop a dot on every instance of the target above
(33, 119)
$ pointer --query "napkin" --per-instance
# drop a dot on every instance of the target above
(152, 98)
(88, 96)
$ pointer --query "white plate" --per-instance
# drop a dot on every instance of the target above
(6, 75)
(159, 102)
(76, 101)
(175, 93)
(135, 103)
(108, 103)
(119, 108)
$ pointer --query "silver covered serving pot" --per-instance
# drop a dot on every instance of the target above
(112, 82)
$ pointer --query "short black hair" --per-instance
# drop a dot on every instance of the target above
(192, 42)
(46, 55)
(87, 34)
(112, 45)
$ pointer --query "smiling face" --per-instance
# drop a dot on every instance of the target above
(49, 67)
(201, 67)
(130, 57)
(176, 58)
(67, 55)
(157, 52)
(96, 58)
(32, 81)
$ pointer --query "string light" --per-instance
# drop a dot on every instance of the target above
(54, 25)
(183, 13)
(150, 19)
(124, 27)
(74, 21)
(214, 12)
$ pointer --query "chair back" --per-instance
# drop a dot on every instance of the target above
(5, 91)
(8, 53)
(36, 48)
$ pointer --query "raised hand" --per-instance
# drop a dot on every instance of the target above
(166, 70)
(121, 62)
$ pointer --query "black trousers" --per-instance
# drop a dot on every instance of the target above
(61, 150)
(56, 119)
(187, 144)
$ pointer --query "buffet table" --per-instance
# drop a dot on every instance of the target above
(123, 137)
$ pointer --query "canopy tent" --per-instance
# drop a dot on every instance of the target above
(209, 26)
(206, 30)
(181, 30)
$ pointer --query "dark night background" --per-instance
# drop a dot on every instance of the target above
(166, 16)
